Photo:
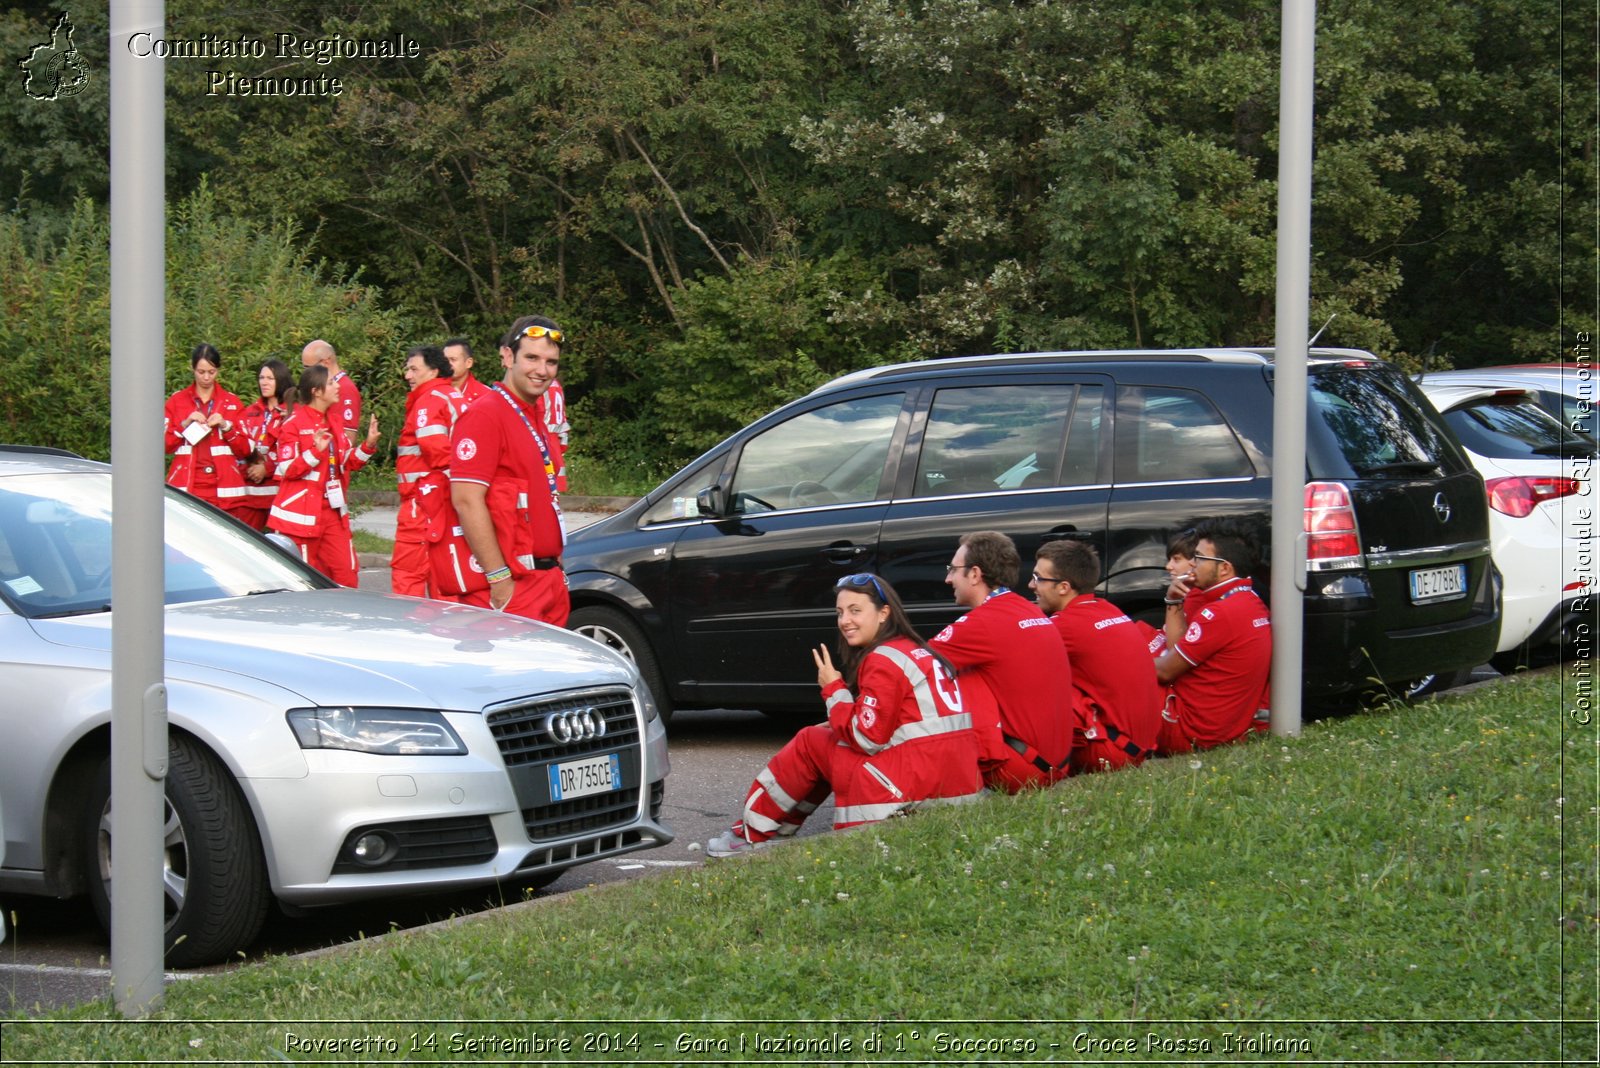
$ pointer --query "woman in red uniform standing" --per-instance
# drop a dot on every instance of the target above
(315, 462)
(204, 435)
(262, 421)
(896, 737)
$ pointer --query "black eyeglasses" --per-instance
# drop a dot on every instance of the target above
(957, 567)
(1038, 578)
(1213, 559)
(861, 581)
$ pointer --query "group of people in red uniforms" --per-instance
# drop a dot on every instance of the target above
(1018, 694)
(479, 514)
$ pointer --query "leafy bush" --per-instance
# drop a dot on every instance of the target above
(252, 292)
(767, 333)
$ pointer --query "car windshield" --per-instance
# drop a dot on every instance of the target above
(55, 549)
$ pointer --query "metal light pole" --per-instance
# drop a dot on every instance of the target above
(1295, 95)
(138, 345)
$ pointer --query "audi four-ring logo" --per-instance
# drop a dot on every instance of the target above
(579, 725)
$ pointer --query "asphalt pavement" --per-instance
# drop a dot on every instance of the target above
(380, 519)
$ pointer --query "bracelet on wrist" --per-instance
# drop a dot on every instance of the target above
(1173, 603)
(499, 574)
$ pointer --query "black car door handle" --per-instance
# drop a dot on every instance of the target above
(844, 554)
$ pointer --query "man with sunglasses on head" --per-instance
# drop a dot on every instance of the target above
(1118, 705)
(1013, 668)
(1219, 644)
(503, 488)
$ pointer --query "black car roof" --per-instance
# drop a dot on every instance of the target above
(1258, 357)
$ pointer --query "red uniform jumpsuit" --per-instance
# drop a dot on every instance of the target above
(902, 740)
(421, 462)
(557, 429)
(1228, 639)
(261, 425)
(1018, 684)
(1118, 698)
(347, 412)
(209, 468)
(498, 443)
(310, 506)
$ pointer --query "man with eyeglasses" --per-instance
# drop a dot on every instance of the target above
(1013, 669)
(503, 488)
(1219, 645)
(1118, 703)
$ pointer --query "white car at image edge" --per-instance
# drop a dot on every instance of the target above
(326, 744)
(1538, 476)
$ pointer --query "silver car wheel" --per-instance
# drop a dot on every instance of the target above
(174, 859)
(606, 637)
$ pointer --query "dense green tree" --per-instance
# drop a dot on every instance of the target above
(726, 202)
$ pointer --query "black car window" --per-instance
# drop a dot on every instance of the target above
(828, 455)
(983, 439)
(680, 498)
(1174, 435)
(1380, 429)
(1515, 430)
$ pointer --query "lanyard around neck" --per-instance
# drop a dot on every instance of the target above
(544, 450)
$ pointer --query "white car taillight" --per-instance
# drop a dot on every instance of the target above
(1332, 540)
(1519, 495)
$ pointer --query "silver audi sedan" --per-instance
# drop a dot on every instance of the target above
(326, 744)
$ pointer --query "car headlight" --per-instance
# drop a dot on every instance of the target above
(647, 701)
(392, 731)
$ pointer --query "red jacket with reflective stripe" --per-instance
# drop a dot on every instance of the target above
(305, 473)
(220, 450)
(424, 448)
(261, 426)
(907, 718)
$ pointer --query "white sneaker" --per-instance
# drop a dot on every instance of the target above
(730, 844)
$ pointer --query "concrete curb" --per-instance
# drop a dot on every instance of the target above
(570, 502)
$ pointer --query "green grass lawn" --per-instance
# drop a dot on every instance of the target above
(1407, 883)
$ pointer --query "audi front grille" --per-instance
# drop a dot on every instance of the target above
(534, 736)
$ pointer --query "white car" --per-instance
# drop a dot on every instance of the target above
(1568, 391)
(1536, 473)
(326, 744)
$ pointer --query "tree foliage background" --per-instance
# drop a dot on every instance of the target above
(728, 203)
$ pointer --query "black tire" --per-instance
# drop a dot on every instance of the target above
(620, 634)
(216, 894)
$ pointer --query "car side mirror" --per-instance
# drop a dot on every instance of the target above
(710, 502)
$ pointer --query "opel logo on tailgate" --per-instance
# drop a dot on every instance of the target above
(579, 725)
(1441, 507)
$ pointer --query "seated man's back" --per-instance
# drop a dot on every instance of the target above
(1007, 645)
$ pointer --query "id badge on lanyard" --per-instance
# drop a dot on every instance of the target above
(335, 489)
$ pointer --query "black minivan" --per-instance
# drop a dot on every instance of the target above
(719, 581)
